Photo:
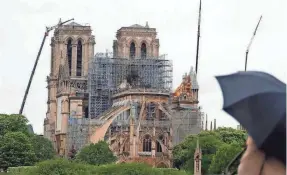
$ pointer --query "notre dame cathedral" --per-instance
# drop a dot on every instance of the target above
(136, 113)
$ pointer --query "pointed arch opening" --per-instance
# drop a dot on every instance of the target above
(143, 51)
(86, 111)
(79, 58)
(132, 50)
(150, 111)
(69, 54)
(147, 144)
(158, 144)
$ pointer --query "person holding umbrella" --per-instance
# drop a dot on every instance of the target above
(257, 101)
(254, 162)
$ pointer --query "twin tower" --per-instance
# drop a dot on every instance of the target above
(163, 123)
(72, 48)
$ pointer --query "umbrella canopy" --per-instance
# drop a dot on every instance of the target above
(257, 101)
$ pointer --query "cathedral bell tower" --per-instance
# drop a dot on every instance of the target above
(136, 41)
(72, 46)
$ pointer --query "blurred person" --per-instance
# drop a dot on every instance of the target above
(254, 162)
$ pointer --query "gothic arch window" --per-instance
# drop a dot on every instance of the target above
(69, 54)
(158, 145)
(143, 51)
(79, 58)
(147, 144)
(150, 111)
(132, 50)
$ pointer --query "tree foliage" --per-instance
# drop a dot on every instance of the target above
(19, 147)
(212, 144)
(16, 150)
(65, 167)
(230, 135)
(184, 152)
(43, 148)
(223, 156)
(13, 123)
(96, 154)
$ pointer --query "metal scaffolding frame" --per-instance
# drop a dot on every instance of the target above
(107, 73)
(77, 133)
(186, 121)
(109, 76)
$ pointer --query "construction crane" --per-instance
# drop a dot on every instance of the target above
(198, 44)
(232, 166)
(249, 45)
(198, 39)
(48, 29)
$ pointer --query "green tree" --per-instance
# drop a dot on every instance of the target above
(65, 167)
(16, 150)
(43, 148)
(209, 143)
(13, 123)
(229, 135)
(223, 156)
(183, 153)
(96, 154)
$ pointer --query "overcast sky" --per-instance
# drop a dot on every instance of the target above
(227, 26)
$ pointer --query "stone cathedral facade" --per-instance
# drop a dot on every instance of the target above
(72, 47)
(146, 136)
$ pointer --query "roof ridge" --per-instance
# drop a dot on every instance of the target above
(137, 26)
(73, 24)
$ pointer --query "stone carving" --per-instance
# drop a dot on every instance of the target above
(197, 160)
(91, 39)
(79, 85)
(77, 32)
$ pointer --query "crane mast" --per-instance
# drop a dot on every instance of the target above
(48, 29)
(198, 37)
(249, 45)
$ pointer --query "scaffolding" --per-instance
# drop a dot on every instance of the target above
(108, 76)
(186, 121)
(77, 133)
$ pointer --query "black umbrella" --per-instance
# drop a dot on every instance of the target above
(257, 101)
